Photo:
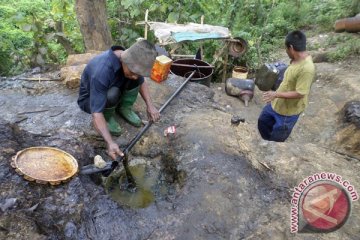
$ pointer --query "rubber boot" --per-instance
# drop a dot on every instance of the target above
(112, 124)
(125, 107)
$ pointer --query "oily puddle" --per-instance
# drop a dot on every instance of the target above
(151, 184)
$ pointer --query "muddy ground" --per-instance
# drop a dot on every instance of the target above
(212, 180)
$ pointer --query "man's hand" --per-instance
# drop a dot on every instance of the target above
(153, 113)
(113, 150)
(269, 96)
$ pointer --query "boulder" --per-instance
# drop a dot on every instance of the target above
(348, 140)
(352, 113)
(75, 64)
(348, 137)
(79, 59)
(319, 57)
(71, 75)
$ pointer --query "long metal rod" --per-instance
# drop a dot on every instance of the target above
(148, 125)
(90, 169)
(190, 65)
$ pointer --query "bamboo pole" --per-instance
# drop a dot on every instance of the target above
(201, 45)
(225, 62)
(146, 23)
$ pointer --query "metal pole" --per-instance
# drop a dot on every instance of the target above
(148, 125)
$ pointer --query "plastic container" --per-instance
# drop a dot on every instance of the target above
(266, 77)
(270, 75)
(240, 72)
(161, 68)
(170, 133)
(242, 88)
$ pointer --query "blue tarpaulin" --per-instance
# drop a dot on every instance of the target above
(168, 33)
(193, 36)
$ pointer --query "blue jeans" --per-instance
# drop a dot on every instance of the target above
(275, 127)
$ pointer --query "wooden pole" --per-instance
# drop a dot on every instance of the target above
(201, 45)
(146, 23)
(225, 62)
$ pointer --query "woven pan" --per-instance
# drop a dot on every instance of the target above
(45, 165)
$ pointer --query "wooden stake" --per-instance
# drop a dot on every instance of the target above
(146, 23)
(225, 63)
(201, 45)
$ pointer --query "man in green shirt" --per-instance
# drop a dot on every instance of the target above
(284, 105)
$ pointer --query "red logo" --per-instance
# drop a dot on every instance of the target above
(325, 207)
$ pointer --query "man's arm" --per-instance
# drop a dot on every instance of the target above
(100, 125)
(271, 95)
(153, 113)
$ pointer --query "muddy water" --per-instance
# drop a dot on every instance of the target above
(142, 196)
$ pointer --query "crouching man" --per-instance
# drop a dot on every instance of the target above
(110, 85)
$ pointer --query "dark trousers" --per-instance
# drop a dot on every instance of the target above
(114, 93)
(275, 127)
(113, 96)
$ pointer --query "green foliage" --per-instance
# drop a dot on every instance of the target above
(325, 12)
(64, 22)
(345, 45)
(30, 31)
(35, 32)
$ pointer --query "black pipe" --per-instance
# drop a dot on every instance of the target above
(110, 166)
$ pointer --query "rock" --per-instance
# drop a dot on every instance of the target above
(99, 162)
(352, 113)
(80, 59)
(237, 119)
(320, 57)
(70, 231)
(33, 208)
(9, 202)
(71, 75)
(36, 70)
(348, 138)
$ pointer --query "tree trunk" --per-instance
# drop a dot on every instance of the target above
(62, 39)
(92, 18)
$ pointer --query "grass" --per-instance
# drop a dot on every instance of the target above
(345, 45)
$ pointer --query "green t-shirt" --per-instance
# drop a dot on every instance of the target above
(298, 77)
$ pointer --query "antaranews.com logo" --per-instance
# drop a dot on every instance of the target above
(321, 203)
